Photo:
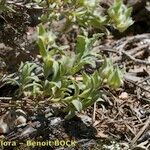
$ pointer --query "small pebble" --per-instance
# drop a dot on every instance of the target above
(124, 95)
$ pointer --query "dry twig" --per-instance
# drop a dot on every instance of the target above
(140, 132)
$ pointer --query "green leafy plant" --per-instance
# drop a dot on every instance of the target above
(63, 78)
(26, 79)
(60, 74)
(80, 12)
(112, 76)
(120, 15)
(87, 14)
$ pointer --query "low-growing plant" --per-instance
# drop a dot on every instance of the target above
(120, 15)
(87, 14)
(26, 79)
(63, 78)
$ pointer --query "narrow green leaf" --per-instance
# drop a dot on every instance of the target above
(85, 94)
(42, 47)
(77, 104)
(41, 30)
(81, 45)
